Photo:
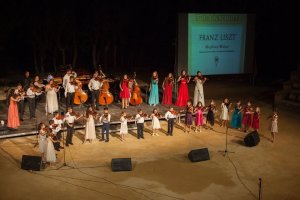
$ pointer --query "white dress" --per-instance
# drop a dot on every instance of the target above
(224, 114)
(199, 93)
(50, 156)
(51, 101)
(155, 122)
(124, 128)
(90, 131)
(42, 143)
(273, 126)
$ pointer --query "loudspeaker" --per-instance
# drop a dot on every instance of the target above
(198, 155)
(252, 139)
(31, 162)
(121, 164)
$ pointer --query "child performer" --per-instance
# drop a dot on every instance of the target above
(198, 117)
(70, 119)
(236, 120)
(56, 129)
(210, 117)
(247, 116)
(50, 153)
(255, 120)
(183, 91)
(124, 93)
(42, 138)
(153, 96)
(155, 122)
(225, 106)
(167, 90)
(189, 116)
(274, 125)
(124, 127)
(140, 119)
(105, 119)
(90, 130)
(170, 117)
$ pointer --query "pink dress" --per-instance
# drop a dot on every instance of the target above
(255, 121)
(13, 115)
(183, 93)
(199, 117)
(125, 93)
(167, 94)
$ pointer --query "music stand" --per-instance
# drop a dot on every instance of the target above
(64, 161)
(226, 144)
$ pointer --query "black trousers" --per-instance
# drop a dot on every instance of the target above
(70, 100)
(140, 130)
(56, 145)
(21, 108)
(58, 134)
(170, 126)
(105, 129)
(31, 104)
(70, 132)
(95, 98)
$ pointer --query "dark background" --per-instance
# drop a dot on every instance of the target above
(126, 36)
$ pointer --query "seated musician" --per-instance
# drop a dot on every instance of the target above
(55, 141)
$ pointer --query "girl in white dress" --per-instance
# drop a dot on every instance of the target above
(50, 155)
(155, 122)
(42, 138)
(90, 130)
(274, 125)
(224, 117)
(124, 128)
(51, 97)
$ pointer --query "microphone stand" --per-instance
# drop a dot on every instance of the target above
(260, 186)
(226, 144)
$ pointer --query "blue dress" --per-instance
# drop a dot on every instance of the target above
(153, 97)
(236, 121)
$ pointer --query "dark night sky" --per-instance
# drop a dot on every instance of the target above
(131, 35)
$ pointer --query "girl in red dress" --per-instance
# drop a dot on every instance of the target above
(247, 116)
(124, 93)
(13, 113)
(183, 92)
(168, 87)
(255, 121)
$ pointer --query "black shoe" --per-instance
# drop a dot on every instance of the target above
(101, 140)
(71, 144)
(67, 145)
(22, 119)
(106, 140)
(61, 147)
(142, 137)
(57, 149)
(138, 137)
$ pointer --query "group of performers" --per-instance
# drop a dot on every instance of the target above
(32, 89)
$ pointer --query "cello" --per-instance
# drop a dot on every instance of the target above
(136, 98)
(105, 97)
(80, 96)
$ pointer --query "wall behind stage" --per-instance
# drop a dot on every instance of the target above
(215, 43)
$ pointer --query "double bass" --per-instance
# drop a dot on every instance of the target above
(105, 97)
(136, 98)
(80, 96)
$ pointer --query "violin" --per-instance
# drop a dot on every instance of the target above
(158, 115)
(54, 85)
(129, 117)
(98, 79)
(174, 112)
(170, 80)
(60, 117)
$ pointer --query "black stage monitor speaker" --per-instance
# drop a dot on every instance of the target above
(31, 162)
(252, 139)
(198, 155)
(121, 164)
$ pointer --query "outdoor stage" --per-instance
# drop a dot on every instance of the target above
(161, 169)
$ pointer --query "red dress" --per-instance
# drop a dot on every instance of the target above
(125, 94)
(247, 116)
(13, 115)
(167, 94)
(183, 93)
(255, 121)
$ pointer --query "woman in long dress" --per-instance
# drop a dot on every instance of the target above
(183, 91)
(198, 117)
(50, 154)
(167, 90)
(153, 96)
(236, 120)
(42, 138)
(198, 92)
(155, 122)
(274, 125)
(51, 98)
(90, 131)
(124, 127)
(224, 117)
(13, 120)
(124, 91)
